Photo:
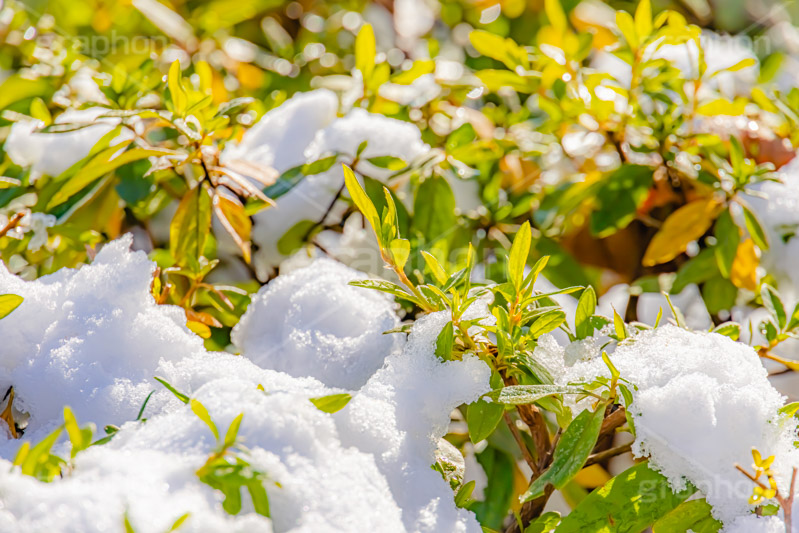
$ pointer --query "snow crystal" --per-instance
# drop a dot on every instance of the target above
(312, 323)
(756, 524)
(53, 153)
(702, 402)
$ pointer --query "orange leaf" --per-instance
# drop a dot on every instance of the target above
(683, 226)
(744, 267)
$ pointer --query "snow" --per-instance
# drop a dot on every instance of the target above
(702, 402)
(95, 335)
(304, 129)
(312, 323)
(53, 153)
(92, 338)
(776, 204)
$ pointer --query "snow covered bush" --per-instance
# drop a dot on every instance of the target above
(410, 266)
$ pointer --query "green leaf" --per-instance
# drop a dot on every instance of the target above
(464, 495)
(790, 409)
(527, 394)
(190, 226)
(103, 163)
(693, 515)
(38, 462)
(320, 165)
(365, 51)
(227, 108)
(420, 68)
(361, 200)
(755, 229)
(435, 268)
(434, 210)
(233, 431)
(332, 402)
(179, 522)
(400, 250)
(772, 302)
(9, 302)
(619, 197)
(260, 500)
(618, 324)
(634, 499)
(80, 438)
(499, 468)
(547, 322)
(444, 342)
(388, 162)
(482, 418)
(296, 237)
(719, 295)
(729, 329)
(179, 395)
(500, 48)
(495, 80)
(585, 310)
(202, 413)
(572, 450)
(697, 269)
(176, 90)
(517, 258)
(544, 523)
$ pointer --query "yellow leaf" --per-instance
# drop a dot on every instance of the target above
(592, 477)
(555, 14)
(199, 328)
(744, 267)
(176, 90)
(643, 19)
(722, 106)
(365, 51)
(683, 226)
(231, 213)
(626, 26)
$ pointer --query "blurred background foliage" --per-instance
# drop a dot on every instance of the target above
(507, 122)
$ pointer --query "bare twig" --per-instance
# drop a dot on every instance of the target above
(607, 454)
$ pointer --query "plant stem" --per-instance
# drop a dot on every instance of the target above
(607, 454)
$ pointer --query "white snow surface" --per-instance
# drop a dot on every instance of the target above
(702, 403)
(776, 205)
(312, 323)
(305, 129)
(53, 153)
(92, 338)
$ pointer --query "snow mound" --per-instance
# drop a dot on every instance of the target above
(279, 139)
(89, 338)
(702, 403)
(312, 323)
(53, 153)
(365, 468)
(402, 411)
(303, 130)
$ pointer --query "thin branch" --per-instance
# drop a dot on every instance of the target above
(12, 223)
(522, 446)
(607, 454)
